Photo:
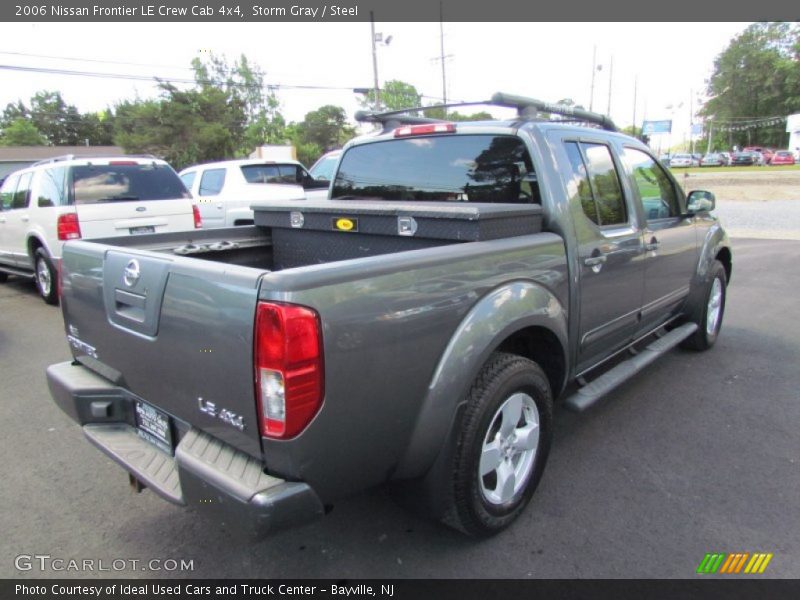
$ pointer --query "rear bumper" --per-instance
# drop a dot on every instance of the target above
(205, 474)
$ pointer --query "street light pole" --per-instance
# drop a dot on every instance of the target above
(610, 77)
(377, 89)
(441, 42)
(594, 70)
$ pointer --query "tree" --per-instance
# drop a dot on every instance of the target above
(326, 127)
(395, 95)
(244, 84)
(184, 127)
(757, 75)
(22, 132)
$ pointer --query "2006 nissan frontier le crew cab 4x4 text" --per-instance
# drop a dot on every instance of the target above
(415, 328)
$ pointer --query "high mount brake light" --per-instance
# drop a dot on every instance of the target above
(289, 368)
(427, 129)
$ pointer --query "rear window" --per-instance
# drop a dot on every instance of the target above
(125, 182)
(273, 173)
(459, 168)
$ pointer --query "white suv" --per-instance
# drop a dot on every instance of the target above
(226, 190)
(69, 198)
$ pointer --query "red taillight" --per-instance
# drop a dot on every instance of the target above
(425, 129)
(289, 369)
(68, 227)
(122, 162)
(198, 220)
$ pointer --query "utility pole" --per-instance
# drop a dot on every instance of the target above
(710, 135)
(594, 70)
(635, 85)
(377, 89)
(691, 119)
(441, 56)
(610, 76)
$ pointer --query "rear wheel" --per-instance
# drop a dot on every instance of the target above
(46, 276)
(502, 447)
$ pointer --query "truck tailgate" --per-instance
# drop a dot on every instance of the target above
(176, 332)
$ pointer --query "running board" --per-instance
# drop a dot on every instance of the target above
(591, 393)
(27, 274)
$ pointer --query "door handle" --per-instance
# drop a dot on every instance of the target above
(219, 205)
(594, 261)
(24, 218)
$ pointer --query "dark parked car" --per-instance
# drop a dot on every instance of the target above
(745, 158)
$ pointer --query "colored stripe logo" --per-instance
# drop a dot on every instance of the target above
(734, 563)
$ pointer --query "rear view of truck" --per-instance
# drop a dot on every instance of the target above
(265, 372)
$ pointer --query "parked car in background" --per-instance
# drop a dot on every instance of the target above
(712, 160)
(226, 190)
(726, 157)
(325, 166)
(683, 160)
(68, 198)
(745, 159)
(782, 157)
(764, 153)
(665, 158)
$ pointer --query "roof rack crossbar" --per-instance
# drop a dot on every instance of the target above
(521, 103)
(396, 118)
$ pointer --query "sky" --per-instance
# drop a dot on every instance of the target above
(667, 63)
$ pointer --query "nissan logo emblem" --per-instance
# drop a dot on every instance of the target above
(131, 274)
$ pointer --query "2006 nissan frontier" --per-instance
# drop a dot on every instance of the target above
(414, 328)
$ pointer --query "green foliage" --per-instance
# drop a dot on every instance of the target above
(243, 83)
(60, 123)
(184, 127)
(326, 127)
(758, 75)
(22, 132)
(395, 95)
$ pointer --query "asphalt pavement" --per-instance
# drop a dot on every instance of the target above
(699, 453)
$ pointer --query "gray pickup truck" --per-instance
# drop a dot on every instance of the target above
(414, 329)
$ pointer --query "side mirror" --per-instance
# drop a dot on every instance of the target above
(700, 201)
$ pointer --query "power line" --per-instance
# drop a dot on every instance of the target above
(156, 78)
(94, 60)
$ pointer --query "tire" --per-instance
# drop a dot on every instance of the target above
(502, 445)
(709, 315)
(46, 276)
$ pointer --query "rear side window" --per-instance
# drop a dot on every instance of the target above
(458, 168)
(211, 182)
(7, 191)
(273, 173)
(48, 187)
(598, 183)
(125, 182)
(23, 193)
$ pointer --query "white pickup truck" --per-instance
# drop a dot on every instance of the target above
(225, 190)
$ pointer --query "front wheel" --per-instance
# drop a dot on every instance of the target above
(502, 446)
(46, 276)
(709, 316)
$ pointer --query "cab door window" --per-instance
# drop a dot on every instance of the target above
(657, 193)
